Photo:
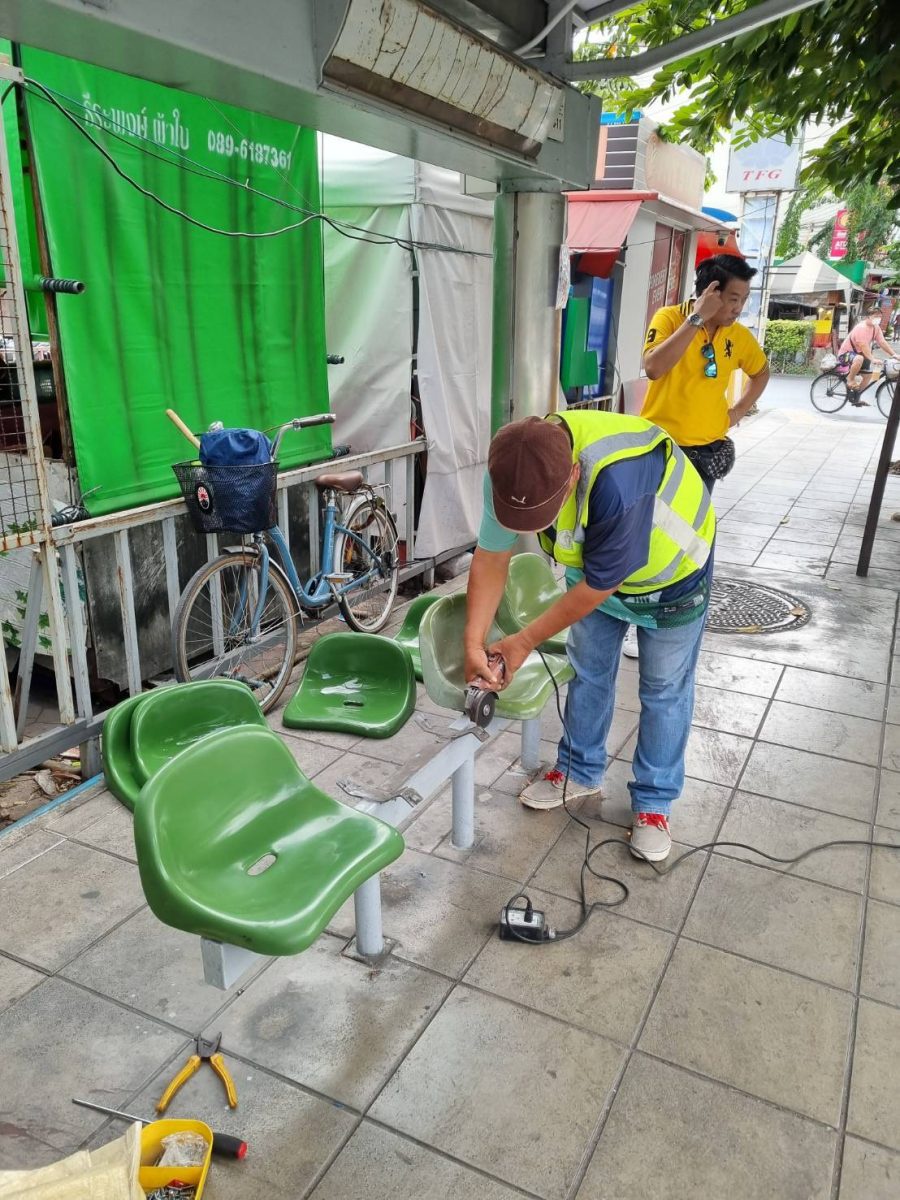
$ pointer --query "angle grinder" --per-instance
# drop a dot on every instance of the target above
(480, 702)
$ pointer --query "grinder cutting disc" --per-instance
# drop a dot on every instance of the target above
(480, 705)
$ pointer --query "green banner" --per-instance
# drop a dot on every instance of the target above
(219, 328)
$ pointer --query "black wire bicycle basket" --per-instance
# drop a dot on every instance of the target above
(239, 498)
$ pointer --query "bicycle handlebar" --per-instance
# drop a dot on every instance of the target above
(301, 423)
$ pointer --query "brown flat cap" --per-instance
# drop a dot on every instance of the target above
(530, 465)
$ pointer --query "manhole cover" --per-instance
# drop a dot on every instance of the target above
(736, 606)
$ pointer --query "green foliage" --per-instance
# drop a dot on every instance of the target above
(836, 62)
(788, 337)
(787, 345)
(788, 241)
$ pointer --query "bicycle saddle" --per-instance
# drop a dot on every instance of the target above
(349, 481)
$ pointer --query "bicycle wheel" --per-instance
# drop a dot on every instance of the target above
(884, 396)
(212, 633)
(828, 392)
(367, 607)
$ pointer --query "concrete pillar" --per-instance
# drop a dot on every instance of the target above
(529, 229)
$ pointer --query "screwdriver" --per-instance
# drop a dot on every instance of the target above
(224, 1144)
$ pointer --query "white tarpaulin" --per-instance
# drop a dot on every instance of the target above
(369, 301)
(806, 275)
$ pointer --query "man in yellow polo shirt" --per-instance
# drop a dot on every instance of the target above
(690, 353)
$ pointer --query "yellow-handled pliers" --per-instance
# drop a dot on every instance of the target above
(207, 1051)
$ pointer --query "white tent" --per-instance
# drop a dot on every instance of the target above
(806, 275)
(370, 303)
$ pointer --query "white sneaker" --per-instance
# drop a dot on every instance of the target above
(630, 645)
(650, 837)
(547, 792)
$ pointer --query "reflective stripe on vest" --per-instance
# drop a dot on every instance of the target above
(683, 517)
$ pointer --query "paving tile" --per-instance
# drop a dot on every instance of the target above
(19, 848)
(440, 913)
(734, 553)
(711, 755)
(793, 564)
(836, 693)
(736, 674)
(672, 1135)
(731, 712)
(64, 901)
(462, 1089)
(891, 758)
(80, 811)
(15, 981)
(776, 919)
(655, 899)
(113, 832)
(164, 981)
(751, 1025)
(884, 880)
(696, 815)
(65, 1042)
(881, 966)
(893, 708)
(311, 757)
(875, 1084)
(331, 1023)
(291, 1134)
(414, 738)
(809, 779)
(510, 839)
(869, 1172)
(337, 741)
(764, 529)
(381, 1165)
(21, 1152)
(361, 771)
(784, 830)
(889, 800)
(854, 738)
(600, 980)
(799, 548)
(497, 757)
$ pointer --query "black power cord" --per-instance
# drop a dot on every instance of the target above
(538, 933)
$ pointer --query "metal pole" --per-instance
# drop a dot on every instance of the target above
(367, 907)
(530, 229)
(462, 790)
(881, 474)
(530, 756)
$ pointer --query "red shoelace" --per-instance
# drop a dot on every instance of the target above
(660, 820)
(554, 777)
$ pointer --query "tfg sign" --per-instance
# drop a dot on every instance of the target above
(769, 165)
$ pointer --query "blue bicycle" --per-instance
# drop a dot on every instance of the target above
(238, 615)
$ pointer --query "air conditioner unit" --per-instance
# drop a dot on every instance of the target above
(419, 61)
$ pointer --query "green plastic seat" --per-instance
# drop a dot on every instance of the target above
(119, 766)
(142, 733)
(443, 667)
(354, 683)
(531, 587)
(234, 843)
(408, 634)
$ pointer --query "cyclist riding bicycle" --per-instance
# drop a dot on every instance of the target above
(856, 352)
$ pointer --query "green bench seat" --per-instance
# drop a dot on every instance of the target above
(235, 844)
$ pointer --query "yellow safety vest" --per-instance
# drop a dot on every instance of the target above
(684, 522)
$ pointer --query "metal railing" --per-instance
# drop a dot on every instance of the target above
(64, 546)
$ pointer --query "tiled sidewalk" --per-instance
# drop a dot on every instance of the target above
(730, 1031)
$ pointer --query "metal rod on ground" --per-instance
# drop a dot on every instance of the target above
(881, 474)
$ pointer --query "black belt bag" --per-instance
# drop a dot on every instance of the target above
(714, 460)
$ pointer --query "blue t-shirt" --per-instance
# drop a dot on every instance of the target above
(619, 525)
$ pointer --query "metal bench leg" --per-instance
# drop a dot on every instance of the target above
(530, 755)
(462, 785)
(367, 905)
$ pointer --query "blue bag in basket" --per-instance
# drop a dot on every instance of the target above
(234, 447)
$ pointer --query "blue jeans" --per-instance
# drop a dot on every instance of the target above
(666, 664)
